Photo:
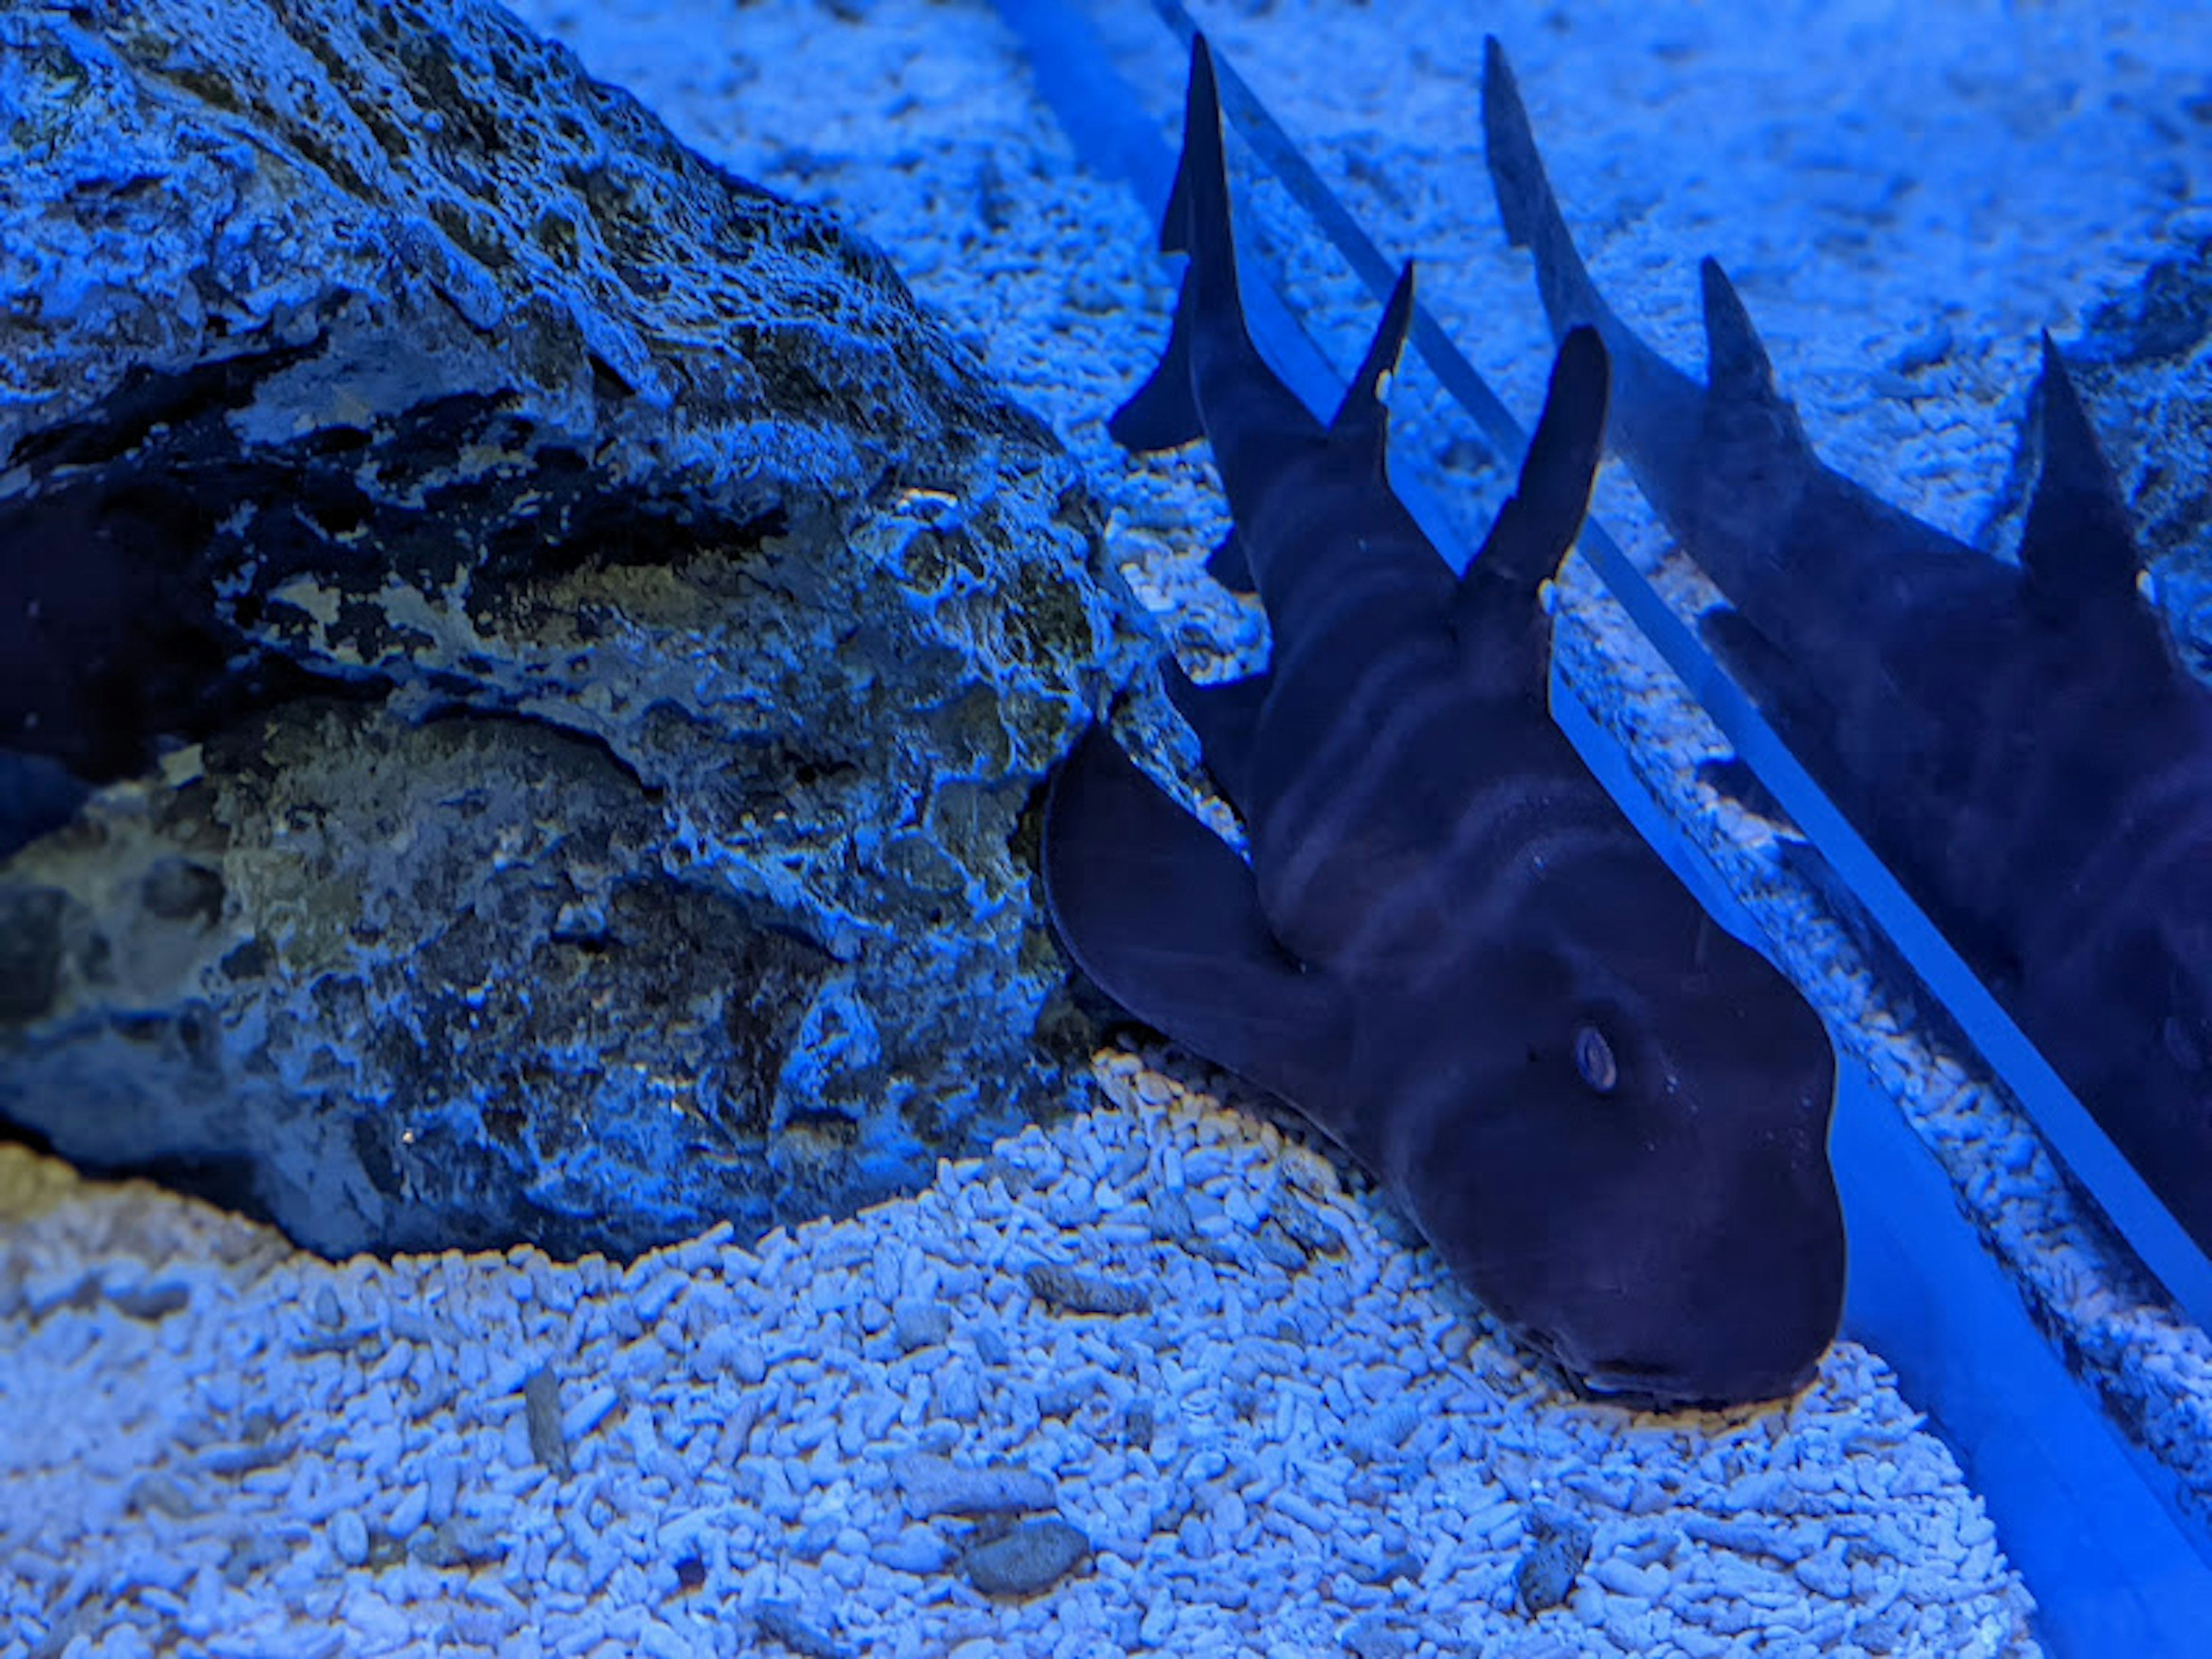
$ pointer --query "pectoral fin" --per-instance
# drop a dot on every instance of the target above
(1165, 918)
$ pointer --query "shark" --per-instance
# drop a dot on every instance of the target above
(2018, 743)
(1450, 951)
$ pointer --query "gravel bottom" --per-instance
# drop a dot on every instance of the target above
(1152, 1379)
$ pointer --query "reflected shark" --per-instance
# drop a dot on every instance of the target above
(2018, 744)
(1451, 951)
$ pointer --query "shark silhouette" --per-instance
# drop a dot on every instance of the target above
(2018, 744)
(1451, 951)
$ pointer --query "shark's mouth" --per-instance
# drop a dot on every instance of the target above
(1633, 1384)
(1628, 1381)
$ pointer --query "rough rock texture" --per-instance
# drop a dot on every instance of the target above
(560, 644)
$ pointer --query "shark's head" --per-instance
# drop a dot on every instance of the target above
(1637, 1178)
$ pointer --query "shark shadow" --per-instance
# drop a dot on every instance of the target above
(2020, 745)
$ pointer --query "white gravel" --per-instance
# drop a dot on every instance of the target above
(214, 1445)
(211, 1444)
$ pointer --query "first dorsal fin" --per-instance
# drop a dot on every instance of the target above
(1175, 221)
(2077, 547)
(1537, 525)
(1362, 416)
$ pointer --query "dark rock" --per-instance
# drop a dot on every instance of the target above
(1558, 1549)
(541, 1406)
(466, 1541)
(779, 1621)
(1305, 1226)
(1069, 1291)
(561, 648)
(1031, 1556)
(1372, 1636)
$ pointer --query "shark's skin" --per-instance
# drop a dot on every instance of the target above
(1451, 951)
(2018, 744)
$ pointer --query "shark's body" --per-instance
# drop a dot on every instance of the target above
(1451, 950)
(2017, 743)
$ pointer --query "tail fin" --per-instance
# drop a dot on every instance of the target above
(1156, 910)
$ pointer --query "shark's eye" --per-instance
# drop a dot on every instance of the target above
(1594, 1059)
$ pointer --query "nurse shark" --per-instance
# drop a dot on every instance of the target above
(2019, 744)
(1451, 951)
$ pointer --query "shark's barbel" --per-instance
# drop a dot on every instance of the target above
(1451, 950)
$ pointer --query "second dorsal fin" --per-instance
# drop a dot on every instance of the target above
(1539, 522)
(1362, 417)
(1737, 367)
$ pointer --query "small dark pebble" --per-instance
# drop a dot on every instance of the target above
(933, 1486)
(1033, 1556)
(1371, 1636)
(1399, 1567)
(1062, 1401)
(541, 1405)
(1171, 1216)
(782, 1622)
(159, 1494)
(1274, 1245)
(1558, 1549)
(1208, 1249)
(150, 1305)
(1085, 1293)
(1924, 350)
(251, 1554)
(690, 1573)
(465, 1540)
(1305, 1226)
